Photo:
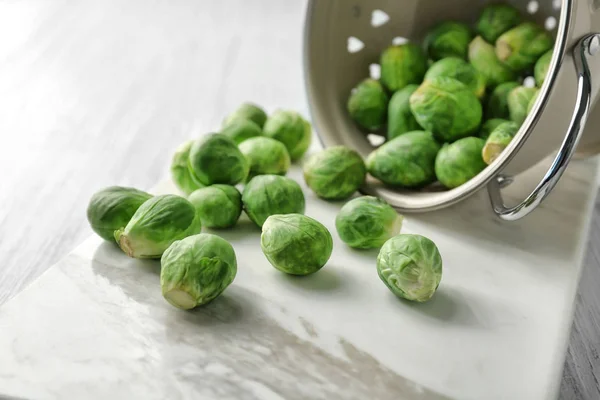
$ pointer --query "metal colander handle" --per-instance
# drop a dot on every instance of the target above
(583, 50)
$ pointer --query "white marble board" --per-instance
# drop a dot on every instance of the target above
(95, 325)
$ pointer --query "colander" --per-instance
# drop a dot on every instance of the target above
(343, 41)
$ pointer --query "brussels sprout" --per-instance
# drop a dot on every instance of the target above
(532, 102)
(448, 39)
(518, 100)
(290, 129)
(483, 57)
(407, 160)
(215, 158)
(402, 65)
(367, 104)
(196, 270)
(497, 103)
(266, 156)
(218, 206)
(541, 68)
(112, 208)
(180, 173)
(447, 108)
(459, 69)
(367, 222)
(247, 111)
(295, 244)
(241, 129)
(498, 140)
(497, 19)
(266, 195)
(410, 266)
(335, 173)
(520, 47)
(458, 162)
(489, 125)
(156, 224)
(400, 118)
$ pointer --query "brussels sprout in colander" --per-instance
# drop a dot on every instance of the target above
(497, 102)
(400, 118)
(402, 65)
(367, 104)
(518, 103)
(448, 39)
(462, 71)
(483, 57)
(520, 47)
(496, 19)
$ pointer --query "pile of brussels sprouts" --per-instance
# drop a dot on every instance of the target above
(448, 108)
(254, 151)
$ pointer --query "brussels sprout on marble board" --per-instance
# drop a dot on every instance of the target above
(266, 195)
(400, 117)
(518, 103)
(482, 56)
(402, 65)
(458, 162)
(215, 158)
(462, 71)
(296, 244)
(410, 266)
(496, 19)
(367, 222)
(112, 208)
(247, 111)
(498, 140)
(446, 107)
(239, 130)
(367, 104)
(291, 129)
(335, 173)
(218, 206)
(180, 172)
(158, 223)
(497, 103)
(406, 161)
(196, 269)
(265, 156)
(448, 39)
(520, 47)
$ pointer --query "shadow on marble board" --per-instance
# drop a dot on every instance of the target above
(326, 280)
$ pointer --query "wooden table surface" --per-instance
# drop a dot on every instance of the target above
(95, 93)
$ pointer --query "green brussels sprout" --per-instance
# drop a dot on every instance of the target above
(497, 19)
(159, 222)
(218, 206)
(482, 56)
(447, 108)
(541, 68)
(241, 129)
(532, 102)
(335, 173)
(488, 126)
(290, 129)
(180, 173)
(367, 222)
(266, 156)
(498, 140)
(112, 208)
(520, 47)
(448, 39)
(215, 158)
(295, 244)
(367, 104)
(458, 162)
(497, 103)
(266, 195)
(518, 101)
(459, 69)
(406, 161)
(410, 266)
(247, 111)
(197, 269)
(400, 118)
(402, 65)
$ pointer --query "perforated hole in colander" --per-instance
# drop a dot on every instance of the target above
(379, 18)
